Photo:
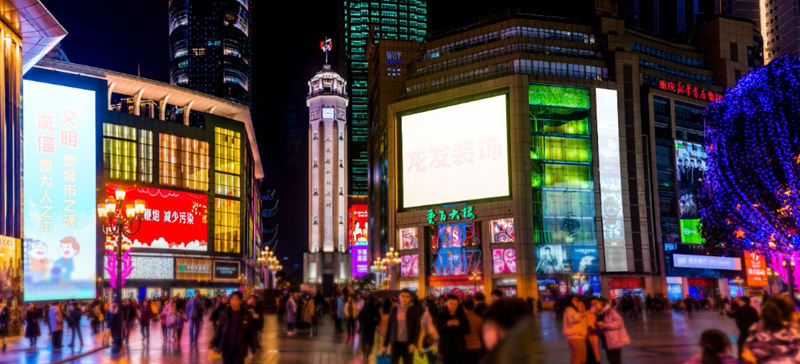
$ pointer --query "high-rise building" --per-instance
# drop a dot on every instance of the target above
(391, 19)
(668, 19)
(210, 47)
(780, 24)
(327, 260)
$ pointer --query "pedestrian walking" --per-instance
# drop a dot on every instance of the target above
(429, 336)
(384, 311)
(32, 330)
(480, 304)
(403, 330)
(233, 336)
(145, 316)
(291, 314)
(194, 310)
(715, 346)
(74, 315)
(575, 330)
(367, 322)
(4, 316)
(340, 316)
(452, 326)
(350, 314)
(776, 339)
(164, 318)
(592, 335)
(177, 325)
(612, 327)
(56, 322)
(473, 338)
(307, 314)
(744, 316)
(114, 322)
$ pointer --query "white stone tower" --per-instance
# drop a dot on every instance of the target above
(327, 261)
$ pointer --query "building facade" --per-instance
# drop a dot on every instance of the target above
(391, 20)
(780, 24)
(327, 261)
(581, 211)
(201, 229)
(210, 47)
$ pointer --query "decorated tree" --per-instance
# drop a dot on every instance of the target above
(750, 199)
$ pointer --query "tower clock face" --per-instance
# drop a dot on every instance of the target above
(327, 113)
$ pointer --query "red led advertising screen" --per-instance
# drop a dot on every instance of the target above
(357, 225)
(172, 219)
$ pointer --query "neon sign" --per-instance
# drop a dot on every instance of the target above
(690, 90)
(466, 213)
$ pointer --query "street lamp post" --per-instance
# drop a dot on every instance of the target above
(475, 277)
(392, 260)
(272, 263)
(118, 222)
(378, 266)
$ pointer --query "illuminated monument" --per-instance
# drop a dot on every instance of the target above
(327, 261)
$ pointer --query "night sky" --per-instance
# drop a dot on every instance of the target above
(128, 36)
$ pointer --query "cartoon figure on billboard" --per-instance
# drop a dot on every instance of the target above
(38, 261)
(64, 266)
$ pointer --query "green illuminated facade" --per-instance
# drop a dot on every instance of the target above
(390, 19)
(561, 165)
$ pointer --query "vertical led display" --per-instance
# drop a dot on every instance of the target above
(357, 220)
(359, 256)
(610, 181)
(755, 268)
(690, 165)
(60, 220)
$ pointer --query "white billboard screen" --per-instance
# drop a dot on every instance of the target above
(455, 153)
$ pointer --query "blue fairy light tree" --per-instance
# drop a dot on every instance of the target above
(750, 200)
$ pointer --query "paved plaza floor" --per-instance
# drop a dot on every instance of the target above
(656, 338)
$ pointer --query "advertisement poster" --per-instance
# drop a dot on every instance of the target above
(584, 259)
(357, 225)
(503, 231)
(455, 249)
(755, 268)
(10, 272)
(504, 261)
(552, 259)
(172, 219)
(690, 166)
(359, 255)
(586, 285)
(409, 265)
(455, 153)
(60, 228)
(409, 239)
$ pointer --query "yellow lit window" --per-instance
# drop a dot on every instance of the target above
(227, 225)
(183, 162)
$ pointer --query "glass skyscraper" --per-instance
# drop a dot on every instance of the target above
(209, 47)
(389, 19)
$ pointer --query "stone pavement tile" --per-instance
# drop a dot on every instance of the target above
(18, 348)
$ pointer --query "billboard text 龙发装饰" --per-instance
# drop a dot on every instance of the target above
(455, 153)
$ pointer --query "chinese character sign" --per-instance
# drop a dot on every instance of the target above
(360, 260)
(434, 216)
(172, 219)
(756, 268)
(357, 225)
(60, 232)
(455, 153)
(690, 90)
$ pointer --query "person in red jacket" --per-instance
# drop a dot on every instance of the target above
(145, 315)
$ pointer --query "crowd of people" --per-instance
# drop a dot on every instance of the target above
(398, 326)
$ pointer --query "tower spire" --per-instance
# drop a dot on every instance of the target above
(326, 46)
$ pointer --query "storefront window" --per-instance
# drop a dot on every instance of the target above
(455, 249)
(561, 149)
(504, 261)
(183, 162)
(227, 162)
(227, 233)
(566, 217)
(126, 155)
(409, 265)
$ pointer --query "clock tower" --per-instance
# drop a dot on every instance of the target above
(327, 261)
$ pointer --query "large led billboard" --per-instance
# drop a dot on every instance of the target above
(690, 165)
(455, 249)
(610, 181)
(172, 219)
(359, 260)
(60, 230)
(455, 153)
(357, 225)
